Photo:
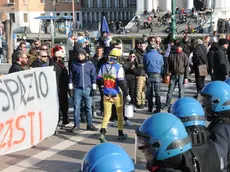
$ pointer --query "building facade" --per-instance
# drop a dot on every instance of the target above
(115, 10)
(23, 12)
(222, 6)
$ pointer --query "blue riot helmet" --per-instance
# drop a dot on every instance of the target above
(162, 136)
(227, 81)
(107, 157)
(189, 111)
(215, 97)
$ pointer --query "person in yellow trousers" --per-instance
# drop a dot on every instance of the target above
(111, 76)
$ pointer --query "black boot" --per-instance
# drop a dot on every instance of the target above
(102, 136)
(121, 135)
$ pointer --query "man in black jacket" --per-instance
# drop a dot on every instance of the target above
(21, 62)
(141, 75)
(62, 78)
(221, 64)
(98, 60)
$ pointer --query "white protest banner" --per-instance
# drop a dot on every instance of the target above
(28, 108)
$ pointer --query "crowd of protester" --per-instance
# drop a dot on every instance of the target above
(136, 79)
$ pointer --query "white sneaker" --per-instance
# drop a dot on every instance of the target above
(115, 124)
(95, 114)
(71, 124)
(128, 122)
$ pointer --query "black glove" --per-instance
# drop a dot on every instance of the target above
(93, 93)
(71, 93)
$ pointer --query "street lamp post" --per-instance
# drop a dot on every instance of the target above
(173, 23)
(52, 29)
(210, 29)
(73, 12)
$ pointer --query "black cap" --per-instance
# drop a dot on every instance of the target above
(81, 51)
(223, 41)
(132, 52)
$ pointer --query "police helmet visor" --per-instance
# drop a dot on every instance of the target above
(206, 103)
(144, 152)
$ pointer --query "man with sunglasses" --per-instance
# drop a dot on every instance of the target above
(41, 61)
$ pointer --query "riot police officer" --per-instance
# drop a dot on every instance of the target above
(107, 157)
(215, 99)
(165, 143)
(192, 115)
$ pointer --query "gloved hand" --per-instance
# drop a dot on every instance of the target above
(127, 99)
(71, 93)
(93, 93)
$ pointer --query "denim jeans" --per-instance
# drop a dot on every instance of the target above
(84, 94)
(1, 59)
(174, 79)
(153, 86)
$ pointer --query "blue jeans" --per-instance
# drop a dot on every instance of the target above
(153, 86)
(174, 79)
(84, 94)
(1, 59)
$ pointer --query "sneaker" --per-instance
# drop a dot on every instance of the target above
(95, 114)
(150, 110)
(140, 106)
(57, 130)
(71, 124)
(102, 138)
(75, 129)
(122, 137)
(91, 128)
(128, 122)
(115, 124)
(157, 111)
(166, 106)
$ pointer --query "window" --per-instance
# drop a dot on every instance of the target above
(71, 14)
(42, 1)
(25, 18)
(12, 17)
(58, 14)
(65, 14)
(11, 1)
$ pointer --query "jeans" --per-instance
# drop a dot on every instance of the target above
(84, 94)
(153, 86)
(1, 59)
(174, 79)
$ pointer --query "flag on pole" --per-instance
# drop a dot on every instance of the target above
(104, 26)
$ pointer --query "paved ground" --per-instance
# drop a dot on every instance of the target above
(65, 151)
